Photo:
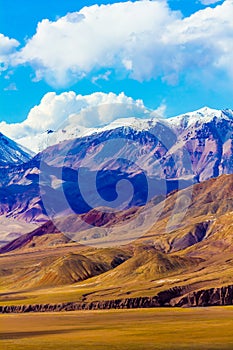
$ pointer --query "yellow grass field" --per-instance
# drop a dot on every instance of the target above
(197, 328)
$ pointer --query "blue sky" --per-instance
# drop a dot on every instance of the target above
(184, 68)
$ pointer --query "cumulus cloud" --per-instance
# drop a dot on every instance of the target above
(69, 108)
(7, 47)
(142, 39)
(207, 39)
(122, 35)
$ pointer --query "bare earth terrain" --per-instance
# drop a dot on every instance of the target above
(191, 265)
(45, 267)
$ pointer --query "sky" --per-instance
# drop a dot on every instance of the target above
(169, 56)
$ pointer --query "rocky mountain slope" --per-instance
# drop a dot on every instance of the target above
(154, 156)
(12, 153)
(189, 263)
(203, 136)
(156, 191)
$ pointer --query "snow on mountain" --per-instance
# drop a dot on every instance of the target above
(195, 147)
(71, 130)
(202, 115)
(197, 144)
(11, 152)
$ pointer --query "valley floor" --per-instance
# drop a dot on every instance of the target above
(161, 328)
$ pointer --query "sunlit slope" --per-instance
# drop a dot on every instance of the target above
(196, 253)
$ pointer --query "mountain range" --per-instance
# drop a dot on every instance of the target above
(156, 156)
(154, 194)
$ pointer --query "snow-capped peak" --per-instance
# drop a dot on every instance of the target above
(71, 130)
(202, 115)
(134, 123)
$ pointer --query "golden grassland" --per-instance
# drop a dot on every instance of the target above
(161, 328)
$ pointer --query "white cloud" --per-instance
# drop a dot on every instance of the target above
(122, 35)
(207, 39)
(105, 76)
(142, 39)
(7, 47)
(11, 87)
(209, 2)
(70, 109)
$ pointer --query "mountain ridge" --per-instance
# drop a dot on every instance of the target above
(73, 130)
(155, 162)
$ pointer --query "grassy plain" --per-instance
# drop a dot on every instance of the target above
(162, 328)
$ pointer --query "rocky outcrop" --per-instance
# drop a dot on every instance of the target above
(208, 297)
(171, 297)
(195, 235)
(128, 303)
